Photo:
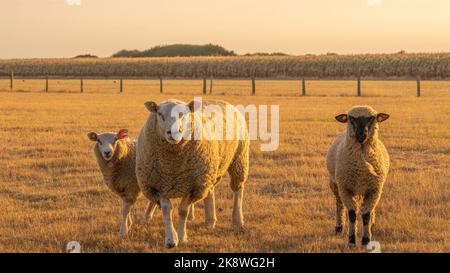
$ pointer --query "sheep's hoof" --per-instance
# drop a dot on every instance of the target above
(240, 228)
(338, 230)
(183, 242)
(351, 241)
(210, 225)
(171, 244)
(238, 223)
(123, 231)
(365, 241)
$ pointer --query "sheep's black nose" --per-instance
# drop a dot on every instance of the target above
(361, 137)
(107, 153)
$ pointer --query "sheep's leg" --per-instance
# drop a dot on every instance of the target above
(171, 236)
(238, 217)
(372, 219)
(238, 171)
(210, 209)
(149, 211)
(350, 203)
(368, 215)
(192, 212)
(340, 211)
(183, 211)
(129, 219)
(126, 206)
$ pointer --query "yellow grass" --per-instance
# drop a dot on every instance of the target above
(344, 88)
(51, 191)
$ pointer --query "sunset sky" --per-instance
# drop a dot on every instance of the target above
(53, 28)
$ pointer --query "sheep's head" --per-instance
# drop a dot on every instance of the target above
(107, 142)
(362, 122)
(173, 119)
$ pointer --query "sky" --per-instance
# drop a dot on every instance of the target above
(65, 28)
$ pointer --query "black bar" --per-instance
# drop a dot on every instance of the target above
(303, 87)
(253, 86)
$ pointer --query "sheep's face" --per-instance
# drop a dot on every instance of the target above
(106, 143)
(172, 120)
(362, 122)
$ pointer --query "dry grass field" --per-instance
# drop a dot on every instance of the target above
(51, 191)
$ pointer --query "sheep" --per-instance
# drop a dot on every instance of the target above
(172, 162)
(358, 164)
(116, 158)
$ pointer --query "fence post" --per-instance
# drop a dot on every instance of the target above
(253, 86)
(46, 84)
(359, 87)
(210, 85)
(418, 86)
(204, 86)
(11, 81)
(160, 85)
(303, 87)
(121, 85)
(81, 86)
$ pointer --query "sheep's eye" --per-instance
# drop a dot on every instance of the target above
(99, 142)
(181, 114)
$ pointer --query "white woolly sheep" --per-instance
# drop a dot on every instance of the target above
(172, 163)
(358, 164)
(116, 158)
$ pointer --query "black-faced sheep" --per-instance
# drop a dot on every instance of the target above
(358, 164)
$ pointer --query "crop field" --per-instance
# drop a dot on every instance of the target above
(330, 66)
(51, 190)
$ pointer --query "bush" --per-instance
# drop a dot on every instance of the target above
(177, 50)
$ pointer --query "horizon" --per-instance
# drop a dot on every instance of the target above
(295, 27)
(237, 55)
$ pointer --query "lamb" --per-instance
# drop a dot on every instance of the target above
(116, 158)
(172, 161)
(358, 164)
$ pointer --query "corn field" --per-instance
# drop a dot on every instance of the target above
(374, 66)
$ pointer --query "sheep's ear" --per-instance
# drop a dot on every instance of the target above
(123, 133)
(92, 136)
(151, 106)
(382, 117)
(194, 105)
(342, 118)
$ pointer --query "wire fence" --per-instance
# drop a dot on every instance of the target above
(243, 87)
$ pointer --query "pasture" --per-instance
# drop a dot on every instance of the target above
(51, 190)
